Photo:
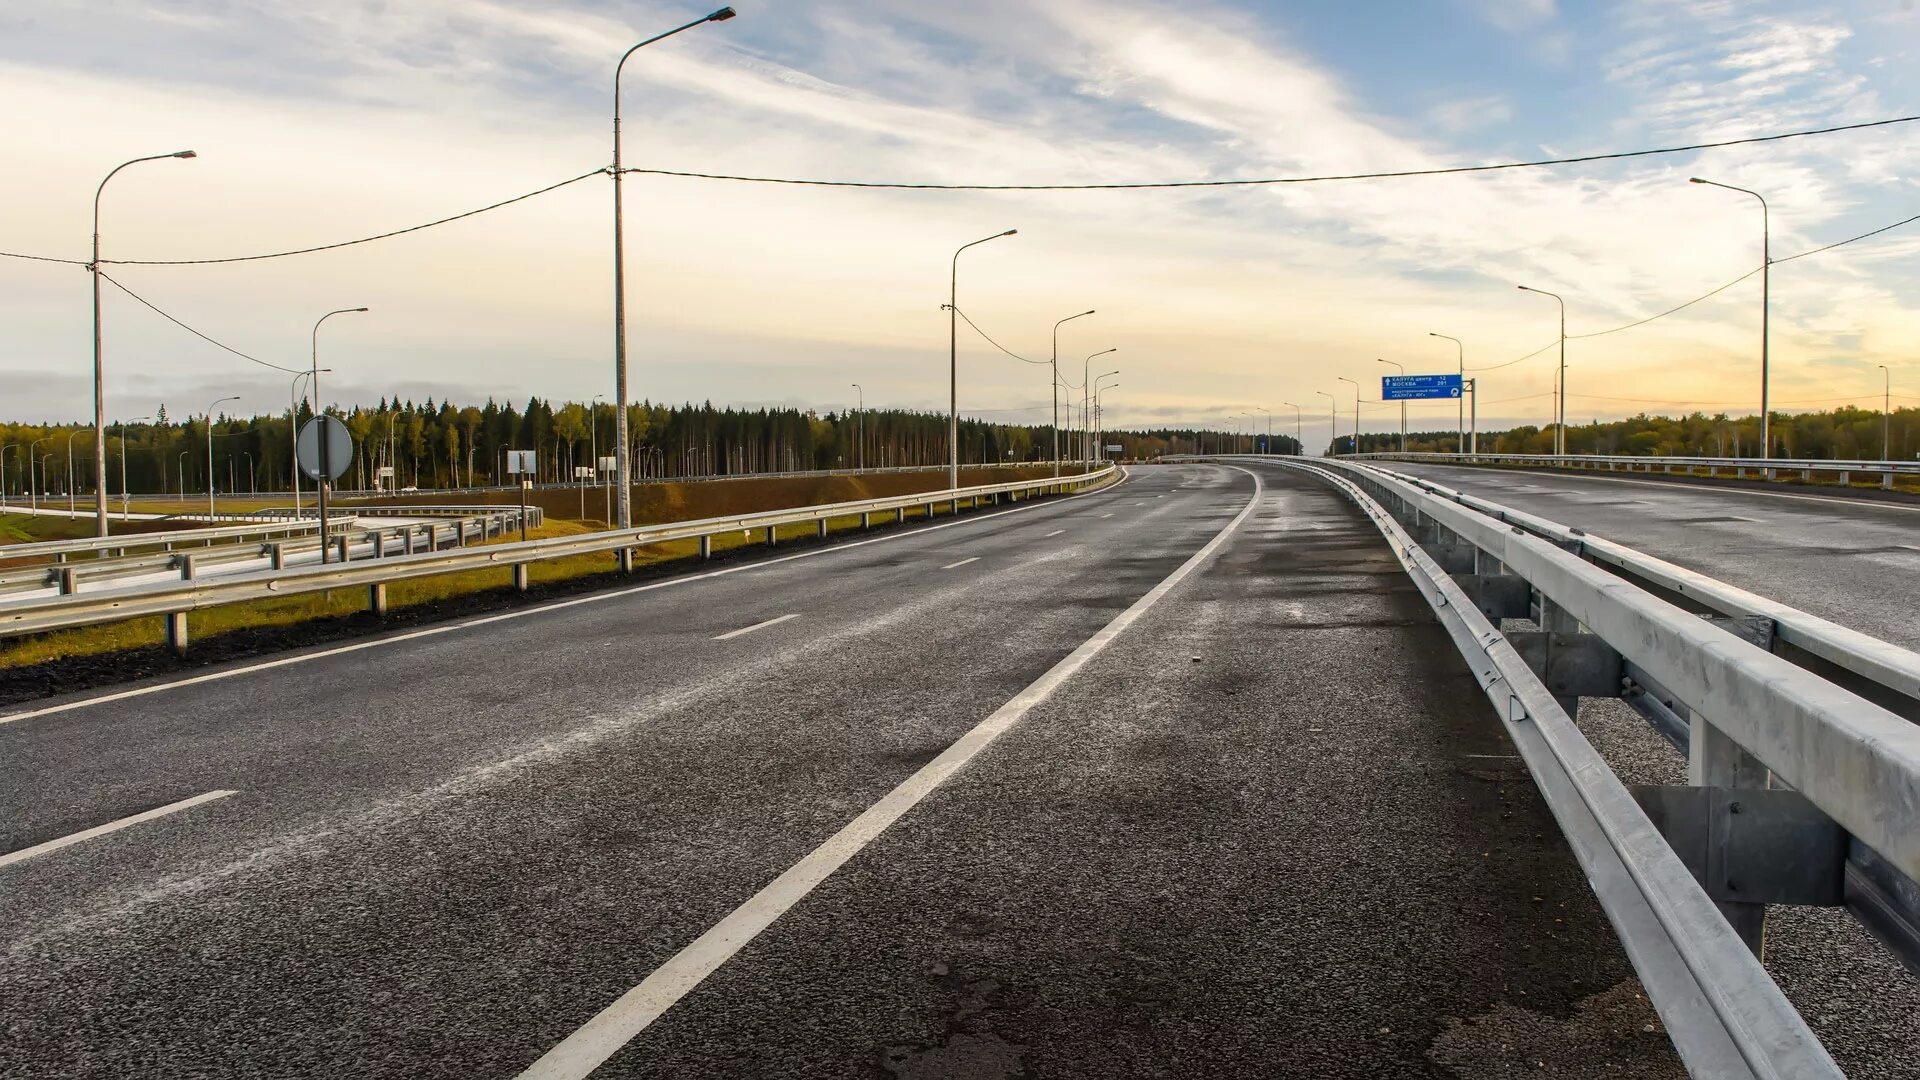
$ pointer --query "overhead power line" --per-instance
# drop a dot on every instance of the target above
(362, 240)
(1270, 181)
(1709, 294)
(995, 344)
(156, 310)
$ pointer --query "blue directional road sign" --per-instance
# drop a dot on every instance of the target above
(1419, 387)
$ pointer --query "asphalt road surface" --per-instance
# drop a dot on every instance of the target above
(1246, 815)
(1853, 561)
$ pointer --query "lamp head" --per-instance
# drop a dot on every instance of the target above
(1010, 232)
(359, 309)
(722, 15)
(185, 154)
(1695, 180)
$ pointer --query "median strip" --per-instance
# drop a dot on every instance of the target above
(112, 826)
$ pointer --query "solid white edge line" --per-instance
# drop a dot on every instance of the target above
(541, 609)
(962, 562)
(620, 1022)
(112, 826)
(755, 626)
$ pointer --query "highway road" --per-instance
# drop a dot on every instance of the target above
(1853, 561)
(1176, 779)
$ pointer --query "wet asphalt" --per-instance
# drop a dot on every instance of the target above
(1271, 830)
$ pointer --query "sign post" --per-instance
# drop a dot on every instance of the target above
(323, 450)
(522, 463)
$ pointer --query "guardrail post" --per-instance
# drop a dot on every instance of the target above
(866, 519)
(1886, 481)
(406, 540)
(1714, 760)
(823, 528)
(377, 598)
(346, 547)
(278, 552)
(177, 620)
(1846, 478)
(520, 579)
(69, 581)
(625, 560)
(706, 547)
(770, 537)
(379, 545)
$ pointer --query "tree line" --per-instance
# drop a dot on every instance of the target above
(1837, 434)
(442, 445)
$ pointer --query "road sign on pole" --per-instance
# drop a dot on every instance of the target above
(521, 462)
(1418, 387)
(335, 454)
(323, 451)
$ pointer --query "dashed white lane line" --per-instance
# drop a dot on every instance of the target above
(755, 626)
(1106, 515)
(112, 826)
(616, 1025)
(962, 562)
(388, 641)
(1053, 534)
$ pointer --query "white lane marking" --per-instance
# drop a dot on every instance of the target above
(962, 562)
(1053, 534)
(755, 626)
(616, 1025)
(1681, 486)
(556, 605)
(112, 826)
(1106, 515)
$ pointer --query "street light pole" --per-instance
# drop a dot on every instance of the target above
(1056, 388)
(1269, 412)
(1099, 417)
(125, 505)
(1886, 413)
(1766, 289)
(99, 372)
(180, 468)
(72, 510)
(1403, 408)
(953, 358)
(1560, 409)
(1460, 406)
(1356, 410)
(623, 461)
(1086, 391)
(860, 457)
(33, 500)
(325, 481)
(1333, 419)
(1093, 422)
(1300, 444)
(210, 408)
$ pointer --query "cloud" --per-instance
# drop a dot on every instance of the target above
(325, 122)
(1471, 114)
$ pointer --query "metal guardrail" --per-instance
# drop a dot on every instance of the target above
(1711, 466)
(1803, 788)
(174, 600)
(535, 515)
(123, 543)
(344, 534)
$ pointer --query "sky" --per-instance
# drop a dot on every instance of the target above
(317, 123)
